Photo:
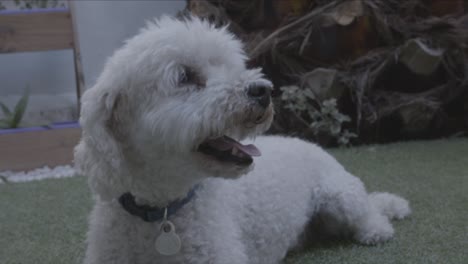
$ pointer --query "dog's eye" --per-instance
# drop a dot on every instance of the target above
(189, 76)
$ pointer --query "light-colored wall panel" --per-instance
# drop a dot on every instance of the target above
(102, 27)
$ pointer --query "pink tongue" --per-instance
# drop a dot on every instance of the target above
(227, 143)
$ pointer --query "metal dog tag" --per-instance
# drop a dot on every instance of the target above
(168, 242)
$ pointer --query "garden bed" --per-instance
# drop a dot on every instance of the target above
(35, 147)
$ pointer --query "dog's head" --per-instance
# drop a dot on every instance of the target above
(178, 95)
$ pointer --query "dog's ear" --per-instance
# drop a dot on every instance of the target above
(101, 117)
(117, 124)
(99, 154)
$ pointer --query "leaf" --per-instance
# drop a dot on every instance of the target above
(345, 118)
(43, 4)
(5, 109)
(335, 129)
(343, 140)
(20, 108)
(4, 178)
(5, 123)
(315, 125)
(349, 134)
(331, 103)
(341, 118)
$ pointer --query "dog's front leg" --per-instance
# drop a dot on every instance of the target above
(107, 241)
(212, 235)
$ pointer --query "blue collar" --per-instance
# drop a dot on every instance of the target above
(152, 213)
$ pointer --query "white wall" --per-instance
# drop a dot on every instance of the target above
(102, 27)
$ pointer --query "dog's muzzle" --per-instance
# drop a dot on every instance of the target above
(260, 93)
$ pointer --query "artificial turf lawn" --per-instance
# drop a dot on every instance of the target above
(45, 221)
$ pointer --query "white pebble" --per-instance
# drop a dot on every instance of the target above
(39, 174)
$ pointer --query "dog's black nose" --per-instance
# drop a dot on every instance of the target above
(260, 93)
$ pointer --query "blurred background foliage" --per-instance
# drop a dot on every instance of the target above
(359, 71)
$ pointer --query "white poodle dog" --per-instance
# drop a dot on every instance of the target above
(173, 184)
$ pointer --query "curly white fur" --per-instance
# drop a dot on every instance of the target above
(141, 129)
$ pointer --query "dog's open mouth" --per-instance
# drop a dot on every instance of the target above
(227, 149)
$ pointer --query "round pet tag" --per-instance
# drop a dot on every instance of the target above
(168, 242)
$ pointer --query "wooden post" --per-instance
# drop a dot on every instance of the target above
(35, 30)
(79, 75)
(42, 30)
(37, 147)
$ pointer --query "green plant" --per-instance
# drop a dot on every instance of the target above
(3, 179)
(319, 116)
(13, 117)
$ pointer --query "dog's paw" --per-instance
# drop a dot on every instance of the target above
(374, 231)
(390, 205)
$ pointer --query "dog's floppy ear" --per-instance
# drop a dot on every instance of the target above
(100, 121)
(116, 123)
(99, 154)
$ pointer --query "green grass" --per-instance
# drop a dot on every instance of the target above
(45, 221)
